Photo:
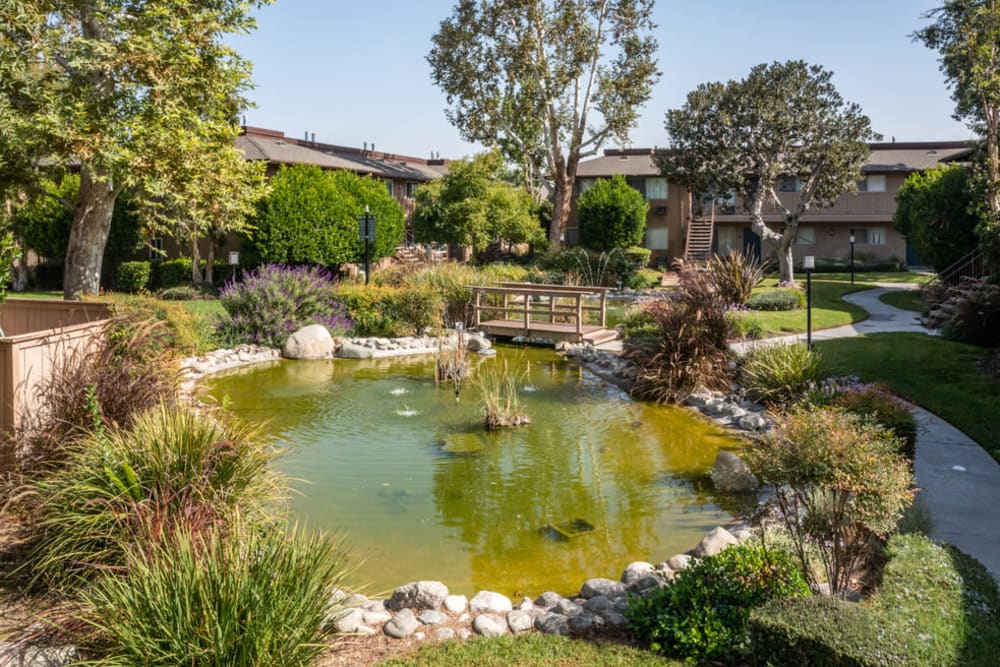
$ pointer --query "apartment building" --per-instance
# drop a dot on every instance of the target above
(678, 228)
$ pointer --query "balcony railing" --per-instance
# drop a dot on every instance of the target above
(881, 204)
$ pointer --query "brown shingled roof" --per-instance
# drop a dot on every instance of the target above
(281, 151)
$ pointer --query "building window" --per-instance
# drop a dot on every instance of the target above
(728, 239)
(156, 249)
(388, 186)
(411, 189)
(657, 238)
(872, 183)
(656, 188)
(872, 236)
(805, 236)
(584, 184)
(790, 184)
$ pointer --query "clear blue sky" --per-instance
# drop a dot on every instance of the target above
(355, 71)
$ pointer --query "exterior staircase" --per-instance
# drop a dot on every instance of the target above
(698, 247)
(972, 265)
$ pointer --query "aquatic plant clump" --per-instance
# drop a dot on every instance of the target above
(271, 303)
(500, 390)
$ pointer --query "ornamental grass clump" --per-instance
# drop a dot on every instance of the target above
(271, 303)
(688, 346)
(253, 596)
(736, 274)
(776, 374)
(839, 483)
(500, 390)
(172, 470)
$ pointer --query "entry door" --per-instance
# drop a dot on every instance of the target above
(751, 241)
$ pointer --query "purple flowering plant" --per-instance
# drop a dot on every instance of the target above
(269, 304)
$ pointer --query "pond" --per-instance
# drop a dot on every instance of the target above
(422, 491)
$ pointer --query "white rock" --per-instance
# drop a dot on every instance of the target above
(456, 603)
(519, 621)
(488, 601)
(635, 571)
(309, 342)
(714, 542)
(489, 625)
(679, 562)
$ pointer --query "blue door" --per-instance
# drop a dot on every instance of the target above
(911, 256)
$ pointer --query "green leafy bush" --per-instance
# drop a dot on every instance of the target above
(690, 346)
(183, 333)
(839, 483)
(171, 469)
(778, 373)
(887, 411)
(274, 301)
(638, 257)
(185, 293)
(612, 214)
(416, 309)
(736, 274)
(368, 309)
(745, 325)
(643, 279)
(638, 323)
(935, 607)
(702, 614)
(781, 298)
(173, 272)
(259, 597)
(133, 277)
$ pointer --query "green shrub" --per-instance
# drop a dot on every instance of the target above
(638, 323)
(781, 298)
(839, 483)
(887, 411)
(638, 257)
(185, 293)
(452, 281)
(690, 346)
(368, 308)
(612, 214)
(643, 279)
(133, 277)
(173, 272)
(745, 325)
(415, 310)
(935, 607)
(778, 373)
(184, 333)
(735, 275)
(274, 301)
(702, 614)
(261, 597)
(172, 469)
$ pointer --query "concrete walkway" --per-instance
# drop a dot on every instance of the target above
(959, 481)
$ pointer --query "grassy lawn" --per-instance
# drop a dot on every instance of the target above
(829, 309)
(906, 300)
(205, 307)
(937, 374)
(528, 650)
(877, 277)
(54, 294)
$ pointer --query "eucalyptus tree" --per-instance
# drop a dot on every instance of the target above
(783, 121)
(113, 88)
(967, 35)
(548, 81)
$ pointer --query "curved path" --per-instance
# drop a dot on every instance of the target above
(959, 481)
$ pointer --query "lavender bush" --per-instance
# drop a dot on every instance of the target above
(271, 303)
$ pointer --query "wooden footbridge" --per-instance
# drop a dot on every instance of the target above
(550, 312)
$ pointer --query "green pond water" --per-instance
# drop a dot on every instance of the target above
(422, 491)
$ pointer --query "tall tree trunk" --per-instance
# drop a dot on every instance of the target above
(563, 200)
(89, 233)
(786, 263)
(210, 263)
(195, 261)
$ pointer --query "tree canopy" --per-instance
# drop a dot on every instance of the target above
(612, 215)
(967, 35)
(935, 210)
(547, 81)
(310, 216)
(473, 206)
(783, 121)
(114, 88)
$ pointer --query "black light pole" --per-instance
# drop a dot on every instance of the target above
(809, 263)
(851, 239)
(366, 228)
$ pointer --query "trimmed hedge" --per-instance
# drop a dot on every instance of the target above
(133, 277)
(782, 298)
(936, 607)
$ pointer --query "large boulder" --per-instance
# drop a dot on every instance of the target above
(402, 625)
(490, 625)
(309, 342)
(635, 571)
(351, 350)
(715, 541)
(607, 587)
(731, 475)
(487, 601)
(418, 595)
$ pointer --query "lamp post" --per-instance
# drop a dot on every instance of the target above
(851, 239)
(809, 264)
(366, 229)
(234, 261)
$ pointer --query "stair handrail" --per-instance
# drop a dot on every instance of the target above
(970, 265)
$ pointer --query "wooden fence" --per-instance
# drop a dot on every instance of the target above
(38, 334)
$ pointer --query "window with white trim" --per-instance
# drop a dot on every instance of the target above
(656, 188)
(874, 235)
(872, 183)
(805, 236)
(657, 238)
